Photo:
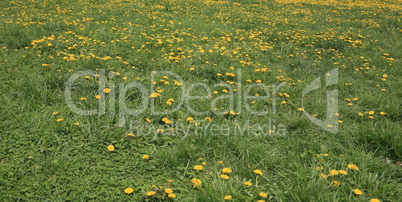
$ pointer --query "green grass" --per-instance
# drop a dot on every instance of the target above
(238, 49)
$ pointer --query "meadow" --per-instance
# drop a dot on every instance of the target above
(200, 100)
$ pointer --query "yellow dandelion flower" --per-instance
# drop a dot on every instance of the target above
(110, 148)
(228, 197)
(166, 120)
(106, 90)
(371, 112)
(323, 176)
(155, 94)
(130, 134)
(262, 194)
(83, 98)
(129, 190)
(343, 172)
(168, 190)
(258, 172)
(247, 183)
(335, 183)
(58, 120)
(374, 200)
(260, 201)
(145, 157)
(55, 113)
(97, 97)
(334, 172)
(151, 193)
(76, 123)
(196, 182)
(171, 195)
(300, 109)
(227, 170)
(357, 191)
(198, 167)
(353, 167)
(224, 177)
(220, 162)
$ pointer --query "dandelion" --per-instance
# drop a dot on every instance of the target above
(323, 176)
(97, 97)
(334, 172)
(247, 183)
(260, 201)
(110, 148)
(168, 190)
(76, 124)
(129, 190)
(343, 172)
(227, 170)
(145, 157)
(55, 113)
(357, 191)
(130, 134)
(106, 90)
(58, 120)
(151, 193)
(155, 94)
(198, 167)
(258, 172)
(166, 120)
(196, 182)
(171, 195)
(224, 177)
(228, 197)
(374, 200)
(335, 183)
(300, 109)
(353, 167)
(262, 194)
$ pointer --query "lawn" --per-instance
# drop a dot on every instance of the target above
(173, 100)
